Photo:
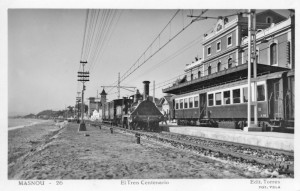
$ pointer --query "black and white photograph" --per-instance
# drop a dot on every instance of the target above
(149, 96)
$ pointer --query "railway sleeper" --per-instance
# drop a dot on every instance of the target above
(283, 167)
(227, 154)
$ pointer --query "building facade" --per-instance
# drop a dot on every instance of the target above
(216, 84)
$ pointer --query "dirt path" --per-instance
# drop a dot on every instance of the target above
(102, 155)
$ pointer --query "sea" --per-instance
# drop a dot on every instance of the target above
(16, 123)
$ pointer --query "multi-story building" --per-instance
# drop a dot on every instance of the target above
(226, 45)
(93, 105)
(206, 86)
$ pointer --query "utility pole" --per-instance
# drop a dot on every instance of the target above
(154, 92)
(119, 87)
(78, 100)
(252, 59)
(83, 77)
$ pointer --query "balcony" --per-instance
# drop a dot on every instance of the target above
(193, 65)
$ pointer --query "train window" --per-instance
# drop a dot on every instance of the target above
(210, 99)
(261, 93)
(191, 102)
(176, 104)
(181, 104)
(245, 94)
(196, 101)
(236, 96)
(185, 103)
(218, 98)
(226, 96)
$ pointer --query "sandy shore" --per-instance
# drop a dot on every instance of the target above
(28, 125)
(24, 139)
(50, 152)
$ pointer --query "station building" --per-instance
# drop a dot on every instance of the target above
(225, 61)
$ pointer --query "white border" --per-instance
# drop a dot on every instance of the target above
(187, 184)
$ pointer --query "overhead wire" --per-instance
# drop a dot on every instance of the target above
(205, 70)
(128, 72)
(106, 38)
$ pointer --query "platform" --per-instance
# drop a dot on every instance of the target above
(274, 140)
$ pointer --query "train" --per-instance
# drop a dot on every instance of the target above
(221, 100)
(135, 112)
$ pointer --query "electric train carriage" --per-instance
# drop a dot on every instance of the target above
(220, 99)
(135, 112)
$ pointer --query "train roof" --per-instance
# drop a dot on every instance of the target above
(225, 76)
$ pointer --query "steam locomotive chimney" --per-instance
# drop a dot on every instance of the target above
(135, 99)
(146, 89)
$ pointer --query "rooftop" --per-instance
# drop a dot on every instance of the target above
(225, 76)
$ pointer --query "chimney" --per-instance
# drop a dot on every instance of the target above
(136, 95)
(146, 89)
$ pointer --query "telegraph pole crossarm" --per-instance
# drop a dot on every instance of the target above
(83, 76)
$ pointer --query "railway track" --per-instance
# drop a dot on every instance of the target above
(263, 157)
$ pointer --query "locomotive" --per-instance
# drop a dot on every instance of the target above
(220, 100)
(134, 112)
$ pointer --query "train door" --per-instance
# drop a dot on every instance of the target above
(276, 100)
(202, 104)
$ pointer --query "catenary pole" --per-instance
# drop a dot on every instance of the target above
(249, 68)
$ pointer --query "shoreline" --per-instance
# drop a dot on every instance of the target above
(23, 140)
(28, 125)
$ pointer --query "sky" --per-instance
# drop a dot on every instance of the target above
(45, 45)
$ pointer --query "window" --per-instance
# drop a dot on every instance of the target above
(219, 66)
(209, 51)
(185, 103)
(176, 104)
(269, 20)
(288, 52)
(229, 40)
(226, 99)
(209, 70)
(236, 96)
(199, 74)
(229, 63)
(245, 94)
(190, 102)
(196, 101)
(260, 93)
(181, 104)
(273, 54)
(218, 98)
(257, 55)
(219, 46)
(210, 99)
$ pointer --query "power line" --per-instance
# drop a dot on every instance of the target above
(232, 61)
(133, 68)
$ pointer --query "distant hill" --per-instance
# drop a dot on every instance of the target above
(30, 116)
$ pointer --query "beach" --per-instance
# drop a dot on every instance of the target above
(22, 139)
(59, 151)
